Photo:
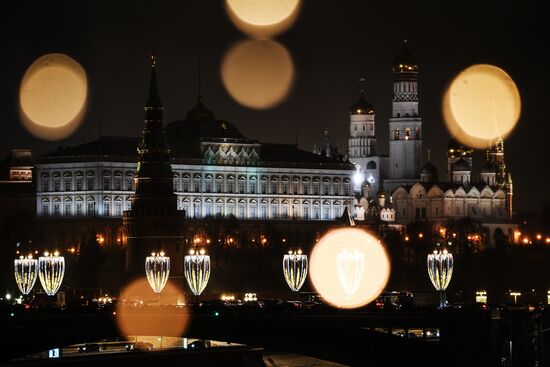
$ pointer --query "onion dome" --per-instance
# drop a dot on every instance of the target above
(404, 62)
(362, 106)
(488, 167)
(429, 169)
(461, 165)
(200, 113)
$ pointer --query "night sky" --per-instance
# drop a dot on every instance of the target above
(332, 45)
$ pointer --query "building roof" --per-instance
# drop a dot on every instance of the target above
(461, 165)
(362, 106)
(488, 167)
(429, 169)
(103, 146)
(404, 62)
(15, 158)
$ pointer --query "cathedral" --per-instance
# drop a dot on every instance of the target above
(401, 188)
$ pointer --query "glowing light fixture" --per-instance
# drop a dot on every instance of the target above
(358, 177)
(197, 270)
(250, 297)
(157, 269)
(295, 269)
(481, 297)
(440, 270)
(51, 271)
(26, 272)
(515, 294)
(350, 267)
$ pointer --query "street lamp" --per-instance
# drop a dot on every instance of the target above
(51, 271)
(26, 272)
(440, 270)
(157, 269)
(295, 269)
(197, 270)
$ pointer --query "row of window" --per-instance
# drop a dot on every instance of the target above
(68, 184)
(407, 134)
(252, 210)
(208, 185)
(81, 208)
(263, 210)
(230, 186)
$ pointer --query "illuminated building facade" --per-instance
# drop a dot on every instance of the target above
(216, 172)
(398, 188)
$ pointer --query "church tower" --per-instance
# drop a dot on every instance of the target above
(495, 156)
(154, 223)
(405, 123)
(503, 178)
(362, 146)
(362, 140)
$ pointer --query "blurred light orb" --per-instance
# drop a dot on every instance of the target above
(258, 74)
(481, 104)
(141, 311)
(263, 19)
(349, 267)
(52, 96)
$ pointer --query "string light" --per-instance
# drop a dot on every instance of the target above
(295, 269)
(51, 272)
(350, 267)
(157, 269)
(440, 270)
(26, 272)
(197, 270)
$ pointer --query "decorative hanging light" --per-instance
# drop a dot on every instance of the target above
(51, 271)
(197, 270)
(440, 270)
(350, 267)
(157, 269)
(295, 269)
(26, 272)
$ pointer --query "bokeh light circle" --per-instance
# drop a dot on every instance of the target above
(258, 74)
(52, 96)
(349, 267)
(263, 19)
(140, 311)
(481, 104)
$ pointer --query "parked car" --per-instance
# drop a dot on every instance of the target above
(139, 346)
(198, 344)
(89, 348)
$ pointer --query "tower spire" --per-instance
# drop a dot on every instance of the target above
(199, 96)
(153, 99)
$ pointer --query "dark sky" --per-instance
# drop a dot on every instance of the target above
(333, 43)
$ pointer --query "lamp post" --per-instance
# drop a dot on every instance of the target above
(26, 272)
(157, 269)
(197, 270)
(295, 269)
(51, 269)
(440, 270)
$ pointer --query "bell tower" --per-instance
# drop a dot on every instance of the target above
(405, 123)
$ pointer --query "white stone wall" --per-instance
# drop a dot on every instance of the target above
(436, 205)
